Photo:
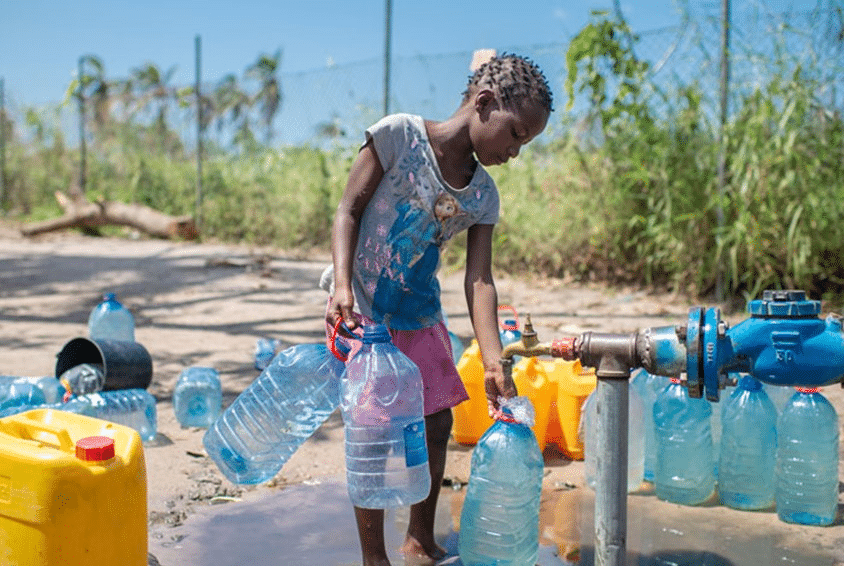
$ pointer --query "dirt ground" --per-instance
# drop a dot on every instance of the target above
(207, 304)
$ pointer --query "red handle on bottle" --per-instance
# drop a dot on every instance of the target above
(333, 345)
(515, 315)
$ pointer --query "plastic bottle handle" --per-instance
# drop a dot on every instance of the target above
(506, 326)
(333, 345)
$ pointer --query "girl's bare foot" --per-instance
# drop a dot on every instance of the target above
(417, 554)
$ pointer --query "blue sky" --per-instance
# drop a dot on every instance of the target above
(41, 40)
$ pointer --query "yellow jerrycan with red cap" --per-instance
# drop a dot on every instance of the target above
(73, 491)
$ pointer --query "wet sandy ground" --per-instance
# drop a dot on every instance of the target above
(207, 304)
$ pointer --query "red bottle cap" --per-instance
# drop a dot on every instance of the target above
(808, 389)
(95, 448)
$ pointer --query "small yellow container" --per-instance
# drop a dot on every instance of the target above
(73, 491)
(573, 384)
(471, 418)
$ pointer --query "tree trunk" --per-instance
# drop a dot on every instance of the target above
(79, 213)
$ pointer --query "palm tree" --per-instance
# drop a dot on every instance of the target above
(265, 71)
(154, 93)
(230, 105)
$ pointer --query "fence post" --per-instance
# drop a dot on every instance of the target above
(2, 143)
(722, 150)
(198, 212)
(82, 147)
(388, 24)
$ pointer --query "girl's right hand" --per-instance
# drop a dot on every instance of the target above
(342, 307)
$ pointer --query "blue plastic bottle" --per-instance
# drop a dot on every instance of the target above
(807, 460)
(110, 320)
(197, 397)
(52, 389)
(779, 394)
(134, 408)
(384, 423)
(20, 393)
(748, 447)
(499, 522)
(635, 439)
(648, 386)
(457, 347)
(253, 438)
(684, 468)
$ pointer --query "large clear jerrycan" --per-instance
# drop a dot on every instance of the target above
(499, 521)
(384, 423)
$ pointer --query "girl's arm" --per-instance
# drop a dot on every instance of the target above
(482, 299)
(364, 177)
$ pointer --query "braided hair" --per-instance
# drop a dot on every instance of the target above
(514, 80)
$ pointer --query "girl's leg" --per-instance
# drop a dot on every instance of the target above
(420, 530)
(371, 532)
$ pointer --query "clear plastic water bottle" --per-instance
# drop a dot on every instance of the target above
(52, 389)
(197, 397)
(457, 347)
(110, 320)
(499, 522)
(134, 408)
(254, 436)
(84, 378)
(635, 440)
(20, 393)
(807, 460)
(648, 386)
(384, 423)
(748, 447)
(265, 352)
(684, 469)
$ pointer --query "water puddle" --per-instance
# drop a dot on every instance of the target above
(313, 525)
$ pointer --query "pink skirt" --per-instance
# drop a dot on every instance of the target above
(430, 349)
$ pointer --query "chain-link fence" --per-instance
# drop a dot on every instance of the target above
(334, 104)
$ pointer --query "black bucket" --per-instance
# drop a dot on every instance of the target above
(126, 365)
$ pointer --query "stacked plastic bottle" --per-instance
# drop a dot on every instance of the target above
(748, 447)
(197, 397)
(807, 460)
(134, 408)
(509, 332)
(499, 522)
(252, 439)
(684, 442)
(50, 387)
(110, 320)
(384, 424)
(635, 439)
(20, 393)
(648, 386)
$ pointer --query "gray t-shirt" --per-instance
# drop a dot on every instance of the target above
(411, 214)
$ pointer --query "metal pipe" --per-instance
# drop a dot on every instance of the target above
(611, 470)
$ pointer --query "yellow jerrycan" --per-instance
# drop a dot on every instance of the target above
(572, 384)
(471, 417)
(73, 491)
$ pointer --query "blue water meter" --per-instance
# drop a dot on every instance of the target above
(784, 342)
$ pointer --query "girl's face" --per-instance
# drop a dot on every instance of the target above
(499, 133)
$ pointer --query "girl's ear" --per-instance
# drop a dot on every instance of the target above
(484, 101)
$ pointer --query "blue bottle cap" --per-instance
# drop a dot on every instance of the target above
(749, 383)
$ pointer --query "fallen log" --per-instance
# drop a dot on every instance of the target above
(80, 213)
